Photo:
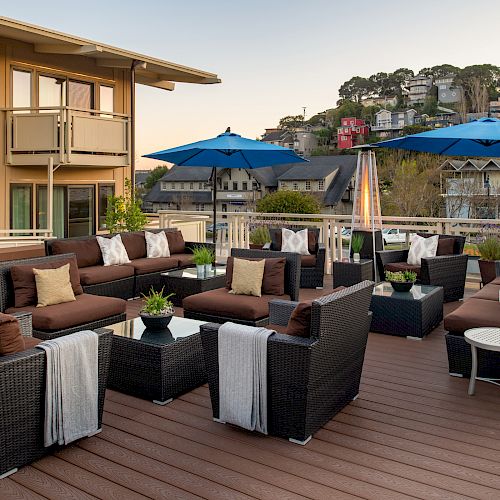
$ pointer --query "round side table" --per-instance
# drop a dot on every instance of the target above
(482, 338)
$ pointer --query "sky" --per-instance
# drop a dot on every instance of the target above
(274, 57)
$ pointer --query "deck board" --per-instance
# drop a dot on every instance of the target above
(412, 433)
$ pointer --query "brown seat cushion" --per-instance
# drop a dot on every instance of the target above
(175, 242)
(30, 342)
(308, 260)
(496, 281)
(312, 241)
(184, 259)
(473, 313)
(11, 339)
(273, 282)
(488, 292)
(402, 266)
(23, 279)
(88, 253)
(445, 246)
(146, 266)
(220, 302)
(135, 244)
(85, 309)
(102, 274)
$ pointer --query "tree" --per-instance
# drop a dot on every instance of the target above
(155, 175)
(291, 123)
(289, 202)
(440, 71)
(430, 106)
(346, 109)
(479, 83)
(415, 129)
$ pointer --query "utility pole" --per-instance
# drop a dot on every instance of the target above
(304, 108)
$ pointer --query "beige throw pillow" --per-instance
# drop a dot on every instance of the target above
(53, 286)
(247, 277)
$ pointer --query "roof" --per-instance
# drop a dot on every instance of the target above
(156, 195)
(153, 72)
(187, 174)
(141, 176)
(277, 136)
(472, 164)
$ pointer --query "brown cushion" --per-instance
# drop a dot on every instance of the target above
(102, 274)
(496, 281)
(85, 309)
(146, 266)
(488, 292)
(273, 282)
(135, 244)
(88, 252)
(220, 302)
(30, 342)
(445, 246)
(312, 241)
(299, 324)
(184, 259)
(308, 260)
(175, 242)
(473, 313)
(277, 328)
(23, 279)
(402, 266)
(11, 340)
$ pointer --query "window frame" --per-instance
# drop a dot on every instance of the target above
(99, 186)
(32, 90)
(12, 185)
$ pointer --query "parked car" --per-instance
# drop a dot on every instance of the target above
(393, 236)
(218, 226)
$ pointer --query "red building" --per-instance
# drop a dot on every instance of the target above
(352, 131)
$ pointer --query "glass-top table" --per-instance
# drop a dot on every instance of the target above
(417, 292)
(192, 273)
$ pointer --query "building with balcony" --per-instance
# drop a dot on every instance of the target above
(417, 89)
(352, 131)
(495, 108)
(305, 141)
(67, 117)
(447, 93)
(391, 123)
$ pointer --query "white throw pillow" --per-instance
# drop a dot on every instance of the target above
(422, 248)
(295, 242)
(113, 250)
(156, 245)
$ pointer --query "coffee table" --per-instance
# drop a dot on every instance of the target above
(156, 365)
(185, 282)
(410, 314)
(348, 272)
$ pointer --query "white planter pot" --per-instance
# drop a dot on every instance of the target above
(208, 268)
(356, 257)
(200, 270)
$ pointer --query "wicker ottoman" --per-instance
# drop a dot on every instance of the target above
(348, 273)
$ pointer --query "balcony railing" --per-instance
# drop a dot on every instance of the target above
(68, 135)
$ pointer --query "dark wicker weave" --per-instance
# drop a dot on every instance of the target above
(122, 288)
(310, 277)
(22, 403)
(309, 379)
(448, 271)
(348, 272)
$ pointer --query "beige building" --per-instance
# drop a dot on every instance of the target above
(68, 102)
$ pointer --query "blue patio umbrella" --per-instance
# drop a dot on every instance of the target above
(227, 150)
(477, 138)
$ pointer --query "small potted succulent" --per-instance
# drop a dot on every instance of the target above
(259, 237)
(157, 310)
(357, 241)
(489, 263)
(203, 257)
(401, 281)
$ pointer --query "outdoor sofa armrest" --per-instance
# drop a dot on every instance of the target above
(320, 256)
(280, 311)
(25, 323)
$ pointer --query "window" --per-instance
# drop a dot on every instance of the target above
(105, 191)
(182, 185)
(255, 186)
(80, 95)
(21, 89)
(191, 186)
(59, 210)
(235, 186)
(20, 206)
(163, 186)
(284, 185)
(321, 185)
(106, 99)
(244, 186)
(295, 186)
(308, 185)
(200, 186)
(172, 185)
(51, 91)
(199, 207)
(225, 185)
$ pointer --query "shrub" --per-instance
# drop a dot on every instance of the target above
(489, 249)
(401, 276)
(260, 235)
(289, 202)
(156, 304)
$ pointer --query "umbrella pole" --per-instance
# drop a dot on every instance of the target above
(214, 181)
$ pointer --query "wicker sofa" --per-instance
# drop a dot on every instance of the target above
(218, 306)
(448, 271)
(87, 312)
(22, 400)
(128, 280)
(312, 267)
(482, 309)
(309, 379)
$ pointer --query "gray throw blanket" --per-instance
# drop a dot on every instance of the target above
(243, 376)
(71, 393)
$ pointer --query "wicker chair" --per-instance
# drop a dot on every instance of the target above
(309, 379)
(448, 271)
(310, 277)
(22, 400)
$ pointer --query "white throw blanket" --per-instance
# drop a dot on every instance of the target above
(243, 376)
(71, 393)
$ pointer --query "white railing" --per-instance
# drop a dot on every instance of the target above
(23, 237)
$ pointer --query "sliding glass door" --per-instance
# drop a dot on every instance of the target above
(81, 210)
(58, 212)
(20, 206)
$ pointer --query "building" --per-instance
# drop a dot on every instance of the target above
(447, 93)
(417, 89)
(495, 108)
(68, 101)
(380, 101)
(278, 137)
(305, 142)
(471, 188)
(352, 131)
(391, 123)
(140, 178)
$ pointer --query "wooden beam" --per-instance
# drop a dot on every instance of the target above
(54, 48)
(155, 82)
(113, 63)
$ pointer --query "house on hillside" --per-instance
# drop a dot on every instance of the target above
(352, 131)
(380, 101)
(447, 92)
(391, 123)
(278, 137)
(140, 178)
(418, 88)
(305, 141)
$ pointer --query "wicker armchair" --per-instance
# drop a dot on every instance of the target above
(448, 271)
(309, 379)
(310, 277)
(22, 400)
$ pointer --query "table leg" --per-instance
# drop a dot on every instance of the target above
(473, 372)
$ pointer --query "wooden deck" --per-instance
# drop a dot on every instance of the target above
(412, 433)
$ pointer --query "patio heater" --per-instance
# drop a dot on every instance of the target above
(366, 213)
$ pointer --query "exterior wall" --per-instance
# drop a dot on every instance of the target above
(16, 54)
(351, 132)
(305, 143)
(447, 94)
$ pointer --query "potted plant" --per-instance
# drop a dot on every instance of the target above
(357, 241)
(401, 281)
(259, 237)
(489, 263)
(157, 310)
(203, 257)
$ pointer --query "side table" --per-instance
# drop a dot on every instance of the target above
(482, 338)
(347, 272)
